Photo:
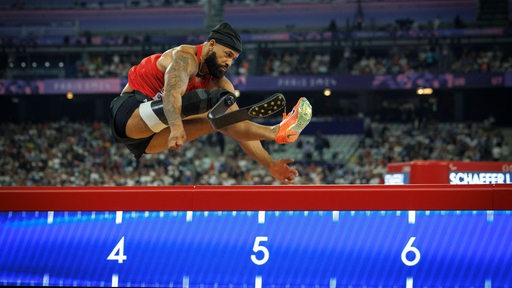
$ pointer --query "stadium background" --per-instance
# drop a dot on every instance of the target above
(63, 61)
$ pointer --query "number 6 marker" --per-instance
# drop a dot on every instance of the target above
(409, 248)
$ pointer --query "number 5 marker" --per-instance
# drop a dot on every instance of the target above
(257, 248)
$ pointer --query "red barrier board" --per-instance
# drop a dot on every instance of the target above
(253, 198)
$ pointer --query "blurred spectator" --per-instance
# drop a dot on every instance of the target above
(428, 58)
(432, 58)
(82, 154)
(321, 143)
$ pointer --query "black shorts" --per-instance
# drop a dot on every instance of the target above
(121, 109)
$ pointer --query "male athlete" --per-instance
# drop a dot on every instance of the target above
(168, 96)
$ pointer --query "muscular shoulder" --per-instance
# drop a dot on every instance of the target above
(222, 83)
(185, 54)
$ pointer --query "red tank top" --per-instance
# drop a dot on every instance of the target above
(148, 79)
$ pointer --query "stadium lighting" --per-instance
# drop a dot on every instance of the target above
(327, 92)
(424, 91)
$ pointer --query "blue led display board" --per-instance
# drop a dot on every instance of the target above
(257, 249)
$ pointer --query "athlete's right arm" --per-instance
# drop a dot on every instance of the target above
(180, 67)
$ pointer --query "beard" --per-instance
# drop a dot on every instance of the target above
(214, 68)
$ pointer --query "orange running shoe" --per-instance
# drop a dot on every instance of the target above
(294, 122)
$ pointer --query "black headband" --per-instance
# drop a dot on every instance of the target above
(225, 35)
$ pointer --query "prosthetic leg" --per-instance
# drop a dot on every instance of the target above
(219, 100)
(219, 119)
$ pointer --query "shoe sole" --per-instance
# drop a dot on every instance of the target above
(268, 106)
(303, 118)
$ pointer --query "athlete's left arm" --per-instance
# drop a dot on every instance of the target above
(279, 169)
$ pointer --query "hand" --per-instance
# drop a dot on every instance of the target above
(282, 172)
(177, 136)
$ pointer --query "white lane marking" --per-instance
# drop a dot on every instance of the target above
(115, 280)
(490, 216)
(119, 217)
(258, 282)
(50, 217)
(261, 217)
(332, 283)
(186, 282)
(336, 216)
(46, 279)
(409, 282)
(411, 215)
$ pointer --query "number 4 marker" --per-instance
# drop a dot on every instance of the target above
(118, 252)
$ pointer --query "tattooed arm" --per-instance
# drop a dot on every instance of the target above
(179, 67)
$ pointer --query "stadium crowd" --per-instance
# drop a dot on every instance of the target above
(433, 59)
(302, 62)
(83, 154)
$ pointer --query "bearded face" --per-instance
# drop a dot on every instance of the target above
(214, 67)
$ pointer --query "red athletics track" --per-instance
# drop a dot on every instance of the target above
(252, 198)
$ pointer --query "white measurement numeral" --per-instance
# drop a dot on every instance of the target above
(257, 247)
(118, 252)
(409, 248)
